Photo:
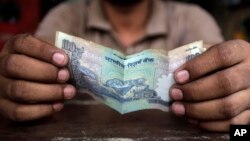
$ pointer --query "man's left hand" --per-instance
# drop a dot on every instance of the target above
(213, 89)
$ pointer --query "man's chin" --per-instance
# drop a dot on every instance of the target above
(124, 3)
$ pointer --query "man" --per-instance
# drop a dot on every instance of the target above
(212, 90)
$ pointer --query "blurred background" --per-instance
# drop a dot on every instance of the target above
(19, 16)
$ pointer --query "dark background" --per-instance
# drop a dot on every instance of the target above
(19, 16)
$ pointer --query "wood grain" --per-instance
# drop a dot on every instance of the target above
(96, 122)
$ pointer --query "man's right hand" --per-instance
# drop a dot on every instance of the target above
(33, 77)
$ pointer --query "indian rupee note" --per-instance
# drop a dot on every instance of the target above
(125, 83)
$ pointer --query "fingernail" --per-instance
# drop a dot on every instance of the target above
(176, 94)
(69, 92)
(57, 107)
(178, 109)
(182, 76)
(63, 75)
(59, 58)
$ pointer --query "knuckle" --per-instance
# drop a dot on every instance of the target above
(241, 43)
(9, 64)
(17, 91)
(225, 82)
(18, 41)
(236, 120)
(18, 114)
(224, 55)
(191, 110)
(191, 65)
(56, 92)
(240, 119)
(190, 92)
(229, 108)
(195, 68)
(45, 48)
(59, 92)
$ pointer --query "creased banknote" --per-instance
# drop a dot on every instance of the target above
(125, 83)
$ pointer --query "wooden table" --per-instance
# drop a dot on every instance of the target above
(81, 121)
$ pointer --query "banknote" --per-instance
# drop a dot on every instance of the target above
(125, 83)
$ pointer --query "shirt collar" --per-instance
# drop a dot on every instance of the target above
(97, 19)
(157, 23)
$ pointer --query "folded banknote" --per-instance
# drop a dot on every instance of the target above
(125, 83)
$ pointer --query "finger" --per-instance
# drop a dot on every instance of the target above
(223, 108)
(217, 57)
(222, 126)
(24, 67)
(25, 91)
(33, 47)
(21, 112)
(217, 85)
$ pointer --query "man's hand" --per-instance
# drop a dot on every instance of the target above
(213, 89)
(32, 79)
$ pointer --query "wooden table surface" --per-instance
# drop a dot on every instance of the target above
(81, 121)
